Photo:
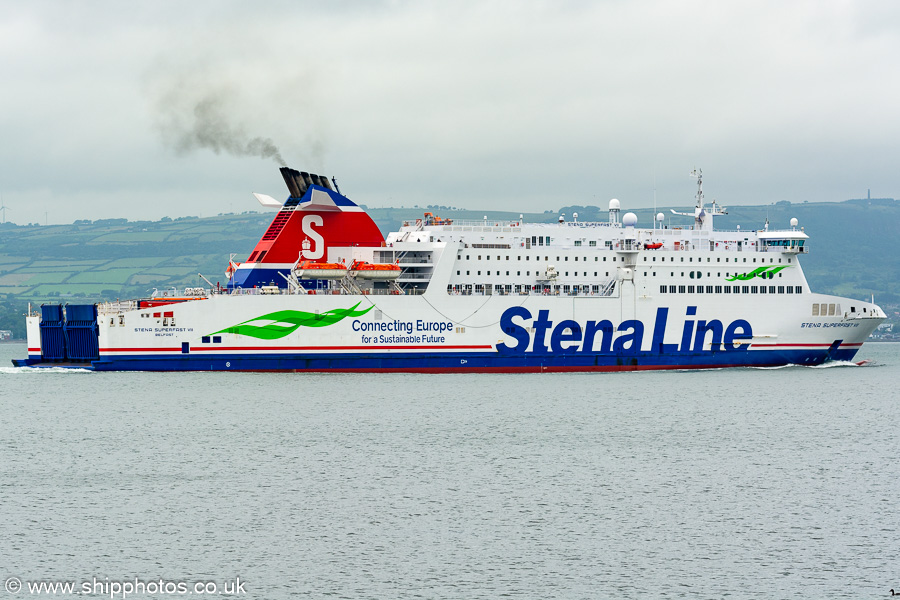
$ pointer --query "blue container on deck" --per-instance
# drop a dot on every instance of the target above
(53, 335)
(82, 333)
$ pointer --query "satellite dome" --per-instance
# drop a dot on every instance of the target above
(613, 204)
(629, 220)
(660, 217)
(794, 222)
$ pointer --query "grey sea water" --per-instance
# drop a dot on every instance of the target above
(763, 483)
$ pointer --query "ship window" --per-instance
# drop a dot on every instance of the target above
(488, 257)
(654, 259)
(541, 241)
(690, 289)
(479, 272)
(662, 289)
(595, 273)
(518, 272)
(692, 274)
(699, 289)
(548, 240)
(507, 272)
(457, 272)
(671, 289)
(707, 259)
(831, 310)
(577, 243)
(654, 273)
(709, 289)
(798, 289)
(468, 272)
(567, 258)
(680, 289)
(592, 243)
(771, 289)
(780, 289)
(718, 289)
(737, 289)
(217, 339)
(789, 261)
(252, 256)
(745, 289)
(815, 311)
(682, 259)
(261, 255)
(756, 289)
(718, 260)
(596, 258)
(205, 339)
(498, 258)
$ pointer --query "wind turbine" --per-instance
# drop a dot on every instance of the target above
(3, 209)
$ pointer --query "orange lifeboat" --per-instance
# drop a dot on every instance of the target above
(308, 269)
(654, 246)
(374, 271)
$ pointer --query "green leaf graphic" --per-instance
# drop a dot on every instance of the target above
(284, 322)
(762, 273)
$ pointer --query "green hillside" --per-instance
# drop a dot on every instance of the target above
(851, 250)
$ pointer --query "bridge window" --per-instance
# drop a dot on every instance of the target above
(680, 289)
(798, 289)
(662, 289)
(671, 289)
(780, 289)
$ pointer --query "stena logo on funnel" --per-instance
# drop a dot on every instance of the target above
(315, 248)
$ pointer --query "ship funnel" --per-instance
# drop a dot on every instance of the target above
(306, 178)
(301, 183)
(288, 175)
(322, 181)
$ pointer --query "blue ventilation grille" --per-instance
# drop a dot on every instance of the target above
(82, 334)
(53, 335)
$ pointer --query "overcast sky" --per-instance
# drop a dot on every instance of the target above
(116, 109)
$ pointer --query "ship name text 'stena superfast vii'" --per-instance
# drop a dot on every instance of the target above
(324, 290)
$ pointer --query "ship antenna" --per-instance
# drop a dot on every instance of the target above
(336, 188)
(698, 173)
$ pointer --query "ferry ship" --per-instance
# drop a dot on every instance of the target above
(324, 290)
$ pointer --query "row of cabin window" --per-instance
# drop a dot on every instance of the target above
(528, 273)
(692, 274)
(730, 289)
(462, 288)
(827, 310)
(537, 258)
(597, 258)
